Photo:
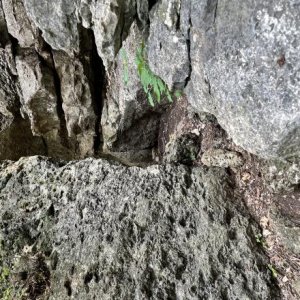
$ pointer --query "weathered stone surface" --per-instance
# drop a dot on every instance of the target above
(3, 28)
(41, 105)
(282, 176)
(8, 91)
(58, 22)
(239, 59)
(221, 158)
(92, 229)
(77, 102)
(283, 179)
(245, 62)
(19, 25)
(179, 137)
(16, 138)
(168, 50)
(109, 19)
(38, 91)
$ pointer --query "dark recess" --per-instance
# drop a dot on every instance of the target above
(152, 3)
(95, 71)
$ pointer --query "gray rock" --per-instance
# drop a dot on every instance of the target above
(16, 138)
(39, 94)
(77, 102)
(167, 46)
(109, 19)
(58, 22)
(245, 62)
(282, 176)
(8, 91)
(19, 25)
(3, 28)
(92, 229)
(40, 104)
(112, 18)
(221, 158)
(288, 233)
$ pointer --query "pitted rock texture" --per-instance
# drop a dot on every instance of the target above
(97, 230)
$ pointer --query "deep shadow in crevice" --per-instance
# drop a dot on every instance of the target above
(151, 3)
(95, 71)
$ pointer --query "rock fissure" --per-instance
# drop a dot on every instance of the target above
(60, 111)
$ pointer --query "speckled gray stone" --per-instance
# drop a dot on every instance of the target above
(245, 62)
(105, 231)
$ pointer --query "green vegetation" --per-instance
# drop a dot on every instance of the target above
(5, 287)
(273, 271)
(153, 85)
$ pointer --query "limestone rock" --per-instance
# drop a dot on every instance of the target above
(16, 138)
(245, 62)
(38, 91)
(3, 28)
(18, 23)
(109, 19)
(221, 158)
(58, 22)
(92, 229)
(168, 51)
(77, 102)
(40, 104)
(8, 91)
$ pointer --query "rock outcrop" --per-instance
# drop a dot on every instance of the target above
(96, 230)
(236, 60)
(70, 89)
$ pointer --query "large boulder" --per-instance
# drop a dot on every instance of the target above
(245, 62)
(97, 230)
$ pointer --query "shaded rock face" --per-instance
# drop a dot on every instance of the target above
(56, 52)
(99, 230)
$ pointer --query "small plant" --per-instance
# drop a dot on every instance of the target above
(153, 85)
(273, 271)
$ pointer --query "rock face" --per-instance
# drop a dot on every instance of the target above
(245, 71)
(236, 60)
(244, 58)
(96, 230)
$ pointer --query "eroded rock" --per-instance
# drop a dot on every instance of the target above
(168, 51)
(18, 23)
(109, 231)
(221, 158)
